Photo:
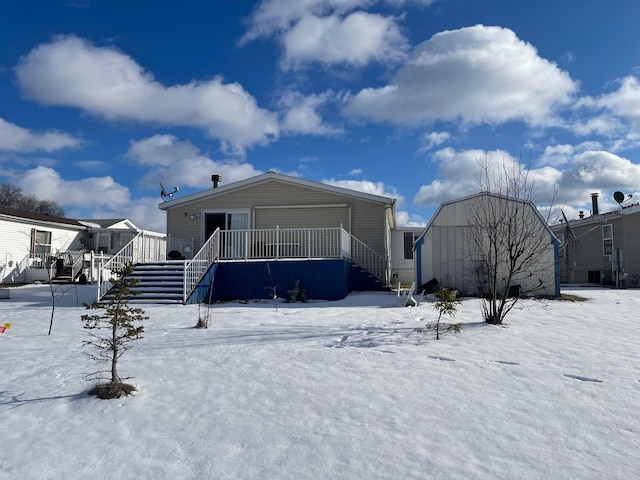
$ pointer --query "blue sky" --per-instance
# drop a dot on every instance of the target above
(102, 100)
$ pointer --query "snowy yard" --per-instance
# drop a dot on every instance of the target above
(334, 390)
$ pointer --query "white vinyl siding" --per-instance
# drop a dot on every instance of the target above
(16, 244)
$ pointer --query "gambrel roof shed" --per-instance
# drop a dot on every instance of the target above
(444, 250)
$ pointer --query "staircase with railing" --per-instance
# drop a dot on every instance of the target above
(67, 266)
(247, 245)
(369, 260)
(141, 248)
(197, 267)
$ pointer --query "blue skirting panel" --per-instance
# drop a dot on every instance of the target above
(322, 279)
(330, 279)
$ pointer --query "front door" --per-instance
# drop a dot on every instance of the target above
(213, 221)
(233, 242)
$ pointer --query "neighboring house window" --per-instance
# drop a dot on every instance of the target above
(40, 244)
(607, 240)
(103, 242)
(408, 245)
(563, 246)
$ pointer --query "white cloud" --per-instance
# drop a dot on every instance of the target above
(272, 16)
(14, 138)
(617, 115)
(559, 155)
(70, 71)
(144, 213)
(433, 139)
(477, 74)
(572, 173)
(404, 219)
(161, 150)
(367, 186)
(356, 39)
(458, 173)
(624, 102)
(598, 171)
(195, 172)
(47, 184)
(180, 163)
(330, 31)
(605, 125)
(301, 114)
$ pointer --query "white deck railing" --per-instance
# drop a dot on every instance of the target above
(279, 243)
(282, 243)
(195, 268)
(370, 260)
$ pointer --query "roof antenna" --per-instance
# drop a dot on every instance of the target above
(165, 195)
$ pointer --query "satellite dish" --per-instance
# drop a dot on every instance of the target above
(165, 195)
(620, 197)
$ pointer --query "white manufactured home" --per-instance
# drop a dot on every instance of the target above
(29, 242)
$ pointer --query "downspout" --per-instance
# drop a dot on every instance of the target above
(390, 224)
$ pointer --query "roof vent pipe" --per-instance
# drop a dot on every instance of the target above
(216, 179)
(594, 203)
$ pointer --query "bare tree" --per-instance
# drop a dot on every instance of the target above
(11, 196)
(512, 247)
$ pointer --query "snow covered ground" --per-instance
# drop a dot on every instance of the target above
(334, 390)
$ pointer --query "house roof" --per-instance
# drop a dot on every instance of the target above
(108, 222)
(38, 217)
(482, 194)
(598, 218)
(269, 176)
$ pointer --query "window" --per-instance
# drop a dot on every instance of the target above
(408, 245)
(607, 240)
(40, 245)
(563, 246)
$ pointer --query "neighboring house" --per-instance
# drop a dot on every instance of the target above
(263, 223)
(109, 236)
(445, 252)
(601, 249)
(402, 253)
(30, 243)
(38, 247)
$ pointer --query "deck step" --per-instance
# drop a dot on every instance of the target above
(159, 282)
